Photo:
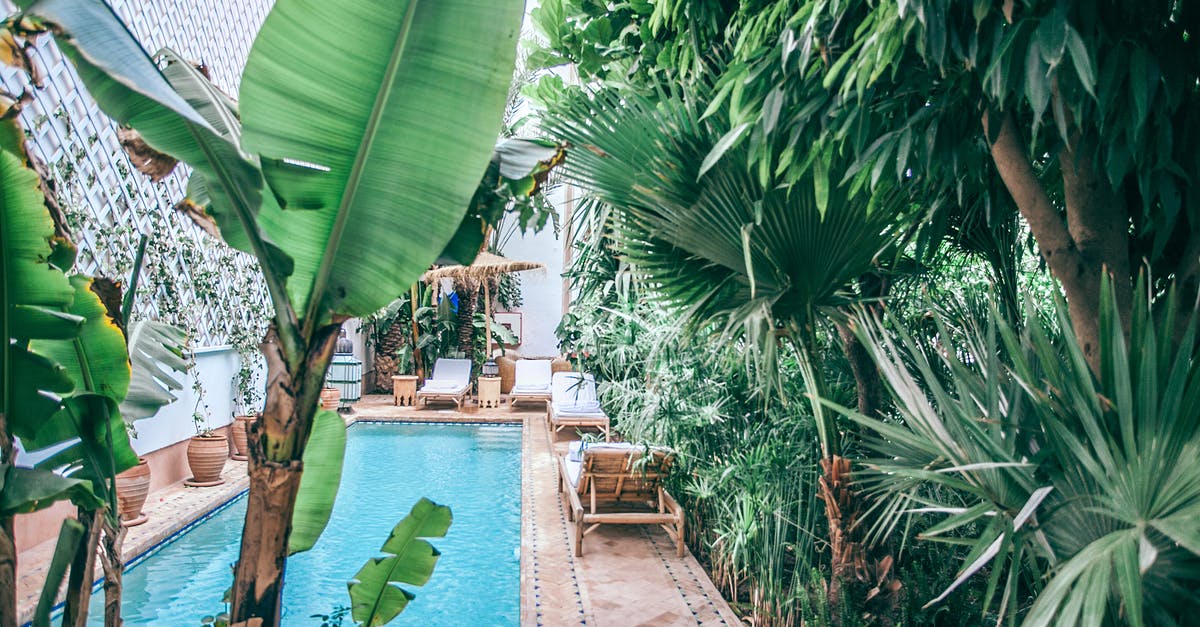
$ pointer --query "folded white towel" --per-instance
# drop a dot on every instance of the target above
(578, 407)
(531, 388)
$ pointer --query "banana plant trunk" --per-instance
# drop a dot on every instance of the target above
(79, 582)
(112, 540)
(8, 574)
(276, 442)
(8, 545)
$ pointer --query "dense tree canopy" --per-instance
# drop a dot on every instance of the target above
(1079, 115)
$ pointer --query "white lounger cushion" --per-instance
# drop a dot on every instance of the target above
(433, 385)
(573, 387)
(531, 389)
(449, 375)
(532, 375)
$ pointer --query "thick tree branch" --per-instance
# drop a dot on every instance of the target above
(1079, 274)
(1012, 162)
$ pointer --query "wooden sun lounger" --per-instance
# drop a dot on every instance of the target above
(458, 398)
(575, 386)
(457, 371)
(559, 421)
(620, 489)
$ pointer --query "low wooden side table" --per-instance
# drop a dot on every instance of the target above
(488, 391)
(404, 390)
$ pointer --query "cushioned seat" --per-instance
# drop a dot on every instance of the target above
(531, 383)
(451, 382)
(574, 403)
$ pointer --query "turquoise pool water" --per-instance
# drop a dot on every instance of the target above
(475, 469)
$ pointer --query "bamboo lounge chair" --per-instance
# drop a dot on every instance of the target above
(532, 382)
(451, 382)
(622, 483)
(573, 403)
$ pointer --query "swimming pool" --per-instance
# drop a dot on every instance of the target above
(475, 469)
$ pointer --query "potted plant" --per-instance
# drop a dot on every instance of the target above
(206, 452)
(246, 403)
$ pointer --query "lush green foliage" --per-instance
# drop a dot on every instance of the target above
(1078, 490)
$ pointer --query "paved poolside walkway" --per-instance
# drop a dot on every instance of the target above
(627, 576)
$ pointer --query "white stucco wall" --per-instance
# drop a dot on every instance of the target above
(541, 290)
(215, 367)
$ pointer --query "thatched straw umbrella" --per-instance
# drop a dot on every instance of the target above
(485, 266)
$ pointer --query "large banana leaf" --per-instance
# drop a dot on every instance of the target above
(398, 104)
(96, 360)
(33, 297)
(156, 356)
(98, 365)
(319, 486)
(375, 599)
(24, 490)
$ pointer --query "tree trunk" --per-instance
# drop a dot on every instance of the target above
(8, 574)
(1095, 238)
(468, 295)
(276, 442)
(868, 384)
(111, 543)
(840, 507)
(8, 543)
(79, 583)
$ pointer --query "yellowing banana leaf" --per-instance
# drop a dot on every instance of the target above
(96, 360)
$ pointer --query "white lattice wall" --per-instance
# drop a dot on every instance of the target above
(190, 279)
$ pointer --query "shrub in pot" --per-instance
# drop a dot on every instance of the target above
(206, 453)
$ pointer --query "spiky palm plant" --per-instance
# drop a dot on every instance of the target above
(726, 252)
(1081, 489)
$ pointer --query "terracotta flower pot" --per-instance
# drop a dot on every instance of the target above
(330, 398)
(237, 433)
(206, 457)
(133, 486)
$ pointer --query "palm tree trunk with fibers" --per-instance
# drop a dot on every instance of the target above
(468, 295)
(418, 368)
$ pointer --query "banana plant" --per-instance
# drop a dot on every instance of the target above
(66, 373)
(361, 134)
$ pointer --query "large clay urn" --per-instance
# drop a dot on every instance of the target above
(330, 398)
(133, 486)
(206, 456)
(237, 433)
